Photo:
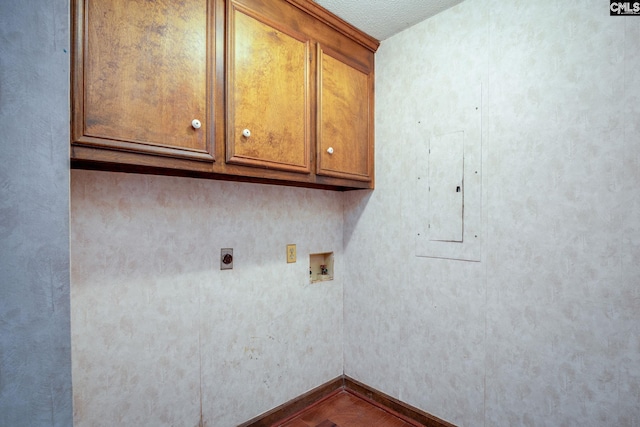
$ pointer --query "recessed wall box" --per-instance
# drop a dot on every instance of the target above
(321, 267)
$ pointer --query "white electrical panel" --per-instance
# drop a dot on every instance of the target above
(448, 198)
(446, 176)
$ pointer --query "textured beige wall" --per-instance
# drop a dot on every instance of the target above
(546, 329)
(158, 330)
(543, 331)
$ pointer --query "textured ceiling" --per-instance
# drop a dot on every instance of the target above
(384, 18)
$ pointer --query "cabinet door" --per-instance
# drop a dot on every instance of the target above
(345, 117)
(268, 93)
(141, 76)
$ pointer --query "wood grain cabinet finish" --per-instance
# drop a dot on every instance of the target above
(268, 109)
(345, 114)
(281, 91)
(141, 77)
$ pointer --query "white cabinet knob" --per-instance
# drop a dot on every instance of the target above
(246, 133)
(330, 150)
(196, 124)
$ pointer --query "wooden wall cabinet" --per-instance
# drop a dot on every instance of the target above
(277, 91)
(345, 134)
(143, 79)
(268, 102)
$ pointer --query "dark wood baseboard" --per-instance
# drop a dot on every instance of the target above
(385, 401)
(296, 405)
(343, 382)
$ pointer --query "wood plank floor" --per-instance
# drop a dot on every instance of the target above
(345, 409)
